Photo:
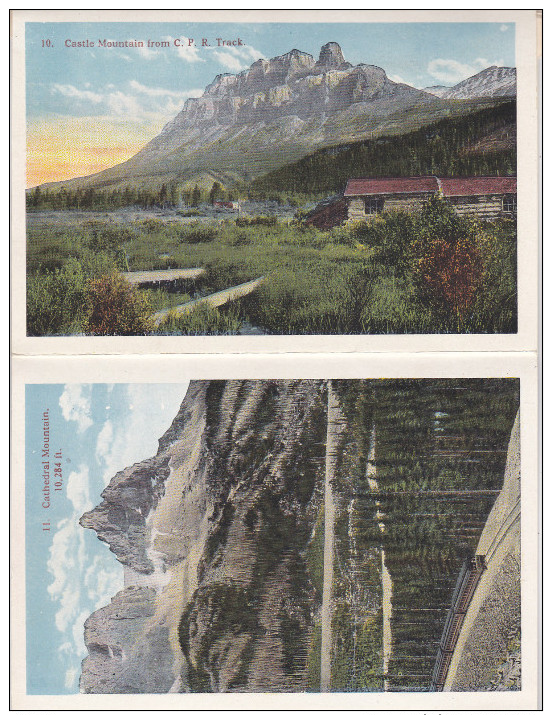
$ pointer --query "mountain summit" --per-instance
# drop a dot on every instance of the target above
(270, 114)
(491, 82)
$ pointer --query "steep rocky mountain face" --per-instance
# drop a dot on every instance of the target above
(252, 541)
(491, 82)
(437, 89)
(274, 112)
(214, 535)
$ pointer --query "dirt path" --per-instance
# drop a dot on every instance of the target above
(334, 428)
(162, 276)
(386, 581)
(500, 545)
(214, 300)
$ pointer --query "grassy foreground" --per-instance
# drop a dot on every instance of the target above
(431, 273)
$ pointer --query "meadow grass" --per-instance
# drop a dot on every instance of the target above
(345, 281)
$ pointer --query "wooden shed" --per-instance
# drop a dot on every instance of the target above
(369, 197)
(487, 197)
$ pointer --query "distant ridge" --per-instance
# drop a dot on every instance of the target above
(278, 110)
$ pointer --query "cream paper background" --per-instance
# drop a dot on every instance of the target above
(527, 58)
(172, 368)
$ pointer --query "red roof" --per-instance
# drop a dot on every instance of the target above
(465, 186)
(399, 185)
(474, 185)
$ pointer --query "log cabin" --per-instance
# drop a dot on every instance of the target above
(486, 197)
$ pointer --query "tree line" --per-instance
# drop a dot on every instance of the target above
(446, 148)
(429, 434)
(91, 199)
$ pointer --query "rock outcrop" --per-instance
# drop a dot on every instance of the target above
(213, 533)
(491, 82)
(126, 655)
(274, 112)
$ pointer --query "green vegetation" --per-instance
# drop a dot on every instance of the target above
(432, 438)
(203, 320)
(314, 660)
(446, 148)
(272, 513)
(434, 272)
(116, 307)
(437, 436)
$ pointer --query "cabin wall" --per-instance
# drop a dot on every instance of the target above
(391, 202)
(486, 207)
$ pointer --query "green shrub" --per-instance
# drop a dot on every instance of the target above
(57, 301)
(197, 232)
(116, 308)
(257, 221)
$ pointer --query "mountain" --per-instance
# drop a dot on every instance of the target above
(491, 82)
(438, 90)
(479, 143)
(271, 114)
(262, 487)
(213, 534)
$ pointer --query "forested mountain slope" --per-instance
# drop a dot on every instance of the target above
(481, 143)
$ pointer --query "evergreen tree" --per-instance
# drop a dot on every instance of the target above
(196, 196)
(216, 193)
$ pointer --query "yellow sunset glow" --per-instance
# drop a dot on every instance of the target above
(60, 149)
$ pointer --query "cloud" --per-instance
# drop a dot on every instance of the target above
(132, 102)
(75, 406)
(504, 28)
(162, 92)
(147, 53)
(68, 90)
(102, 580)
(104, 439)
(81, 584)
(186, 52)
(77, 631)
(229, 61)
(452, 71)
(136, 437)
(66, 554)
(78, 490)
(397, 78)
(71, 675)
(237, 58)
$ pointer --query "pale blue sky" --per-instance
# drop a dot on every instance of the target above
(421, 54)
(92, 107)
(69, 572)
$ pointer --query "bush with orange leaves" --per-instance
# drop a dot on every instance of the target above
(450, 274)
(116, 307)
(449, 259)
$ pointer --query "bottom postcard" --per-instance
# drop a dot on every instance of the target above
(353, 535)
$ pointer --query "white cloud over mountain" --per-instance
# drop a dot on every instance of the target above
(135, 102)
(237, 59)
(75, 405)
(81, 584)
(451, 71)
(84, 575)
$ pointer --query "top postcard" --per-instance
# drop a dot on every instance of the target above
(261, 182)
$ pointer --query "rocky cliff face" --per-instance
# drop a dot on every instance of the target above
(273, 112)
(290, 85)
(491, 82)
(214, 534)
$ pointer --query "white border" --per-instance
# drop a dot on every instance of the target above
(30, 370)
(528, 97)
